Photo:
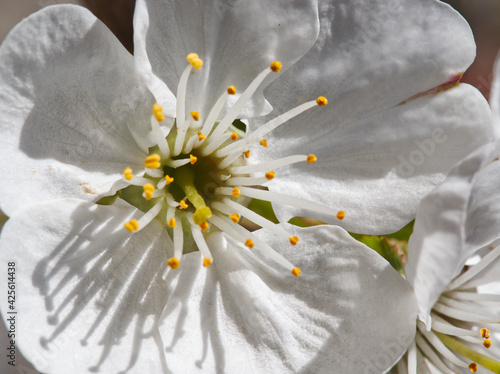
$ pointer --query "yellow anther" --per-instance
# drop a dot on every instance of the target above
(473, 367)
(321, 101)
(131, 225)
(195, 115)
(204, 226)
(182, 204)
(263, 143)
(193, 159)
(311, 159)
(197, 63)
(296, 271)
(234, 136)
(294, 240)
(235, 217)
(485, 333)
(201, 215)
(148, 191)
(157, 108)
(127, 173)
(169, 179)
(340, 215)
(276, 66)
(201, 136)
(192, 56)
(157, 111)
(153, 161)
(246, 154)
(172, 222)
(207, 262)
(487, 343)
(173, 262)
(231, 90)
(270, 175)
(236, 192)
(249, 243)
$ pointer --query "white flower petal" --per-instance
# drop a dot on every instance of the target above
(348, 311)
(436, 249)
(235, 39)
(483, 211)
(370, 56)
(495, 97)
(68, 95)
(377, 168)
(88, 293)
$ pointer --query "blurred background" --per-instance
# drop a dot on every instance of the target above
(482, 15)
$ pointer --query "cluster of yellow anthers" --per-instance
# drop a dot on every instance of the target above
(197, 176)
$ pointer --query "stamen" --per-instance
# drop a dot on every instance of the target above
(235, 217)
(181, 136)
(243, 234)
(246, 154)
(463, 315)
(214, 113)
(270, 165)
(157, 112)
(193, 159)
(138, 225)
(485, 333)
(178, 163)
(321, 101)
(256, 218)
(246, 181)
(439, 346)
(429, 352)
(240, 103)
(127, 173)
(131, 225)
(340, 215)
(263, 143)
(473, 367)
(474, 270)
(172, 223)
(159, 138)
(195, 115)
(215, 142)
(293, 240)
(236, 192)
(207, 262)
(204, 226)
(152, 161)
(311, 159)
(178, 241)
(201, 136)
(228, 160)
(234, 136)
(276, 66)
(278, 198)
(249, 243)
(173, 263)
(296, 271)
(231, 90)
(270, 175)
(487, 343)
(199, 239)
(148, 191)
(168, 179)
(183, 205)
(190, 144)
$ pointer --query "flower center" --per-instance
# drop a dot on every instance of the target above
(196, 180)
(458, 319)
